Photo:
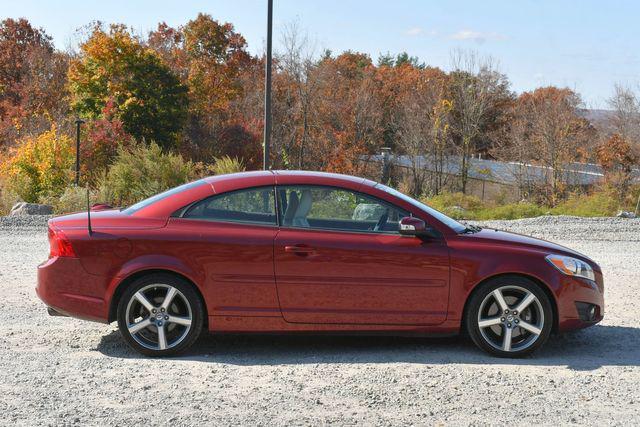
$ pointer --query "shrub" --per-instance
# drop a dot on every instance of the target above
(450, 204)
(8, 198)
(100, 147)
(512, 211)
(72, 199)
(40, 167)
(142, 171)
(631, 199)
(225, 164)
(603, 202)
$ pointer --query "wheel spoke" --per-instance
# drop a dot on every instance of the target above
(136, 327)
(528, 299)
(184, 321)
(485, 323)
(162, 339)
(144, 301)
(497, 294)
(506, 339)
(529, 327)
(167, 299)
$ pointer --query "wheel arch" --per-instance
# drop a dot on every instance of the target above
(545, 288)
(122, 286)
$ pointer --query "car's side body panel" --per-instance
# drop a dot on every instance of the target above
(354, 282)
(361, 278)
(235, 263)
(476, 258)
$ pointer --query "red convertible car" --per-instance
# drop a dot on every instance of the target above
(285, 251)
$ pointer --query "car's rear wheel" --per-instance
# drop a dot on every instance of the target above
(160, 315)
(509, 316)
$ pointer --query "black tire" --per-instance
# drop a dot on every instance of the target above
(484, 306)
(186, 305)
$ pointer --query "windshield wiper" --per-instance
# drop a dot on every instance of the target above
(471, 228)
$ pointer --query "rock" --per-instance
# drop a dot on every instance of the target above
(23, 208)
(457, 209)
(625, 214)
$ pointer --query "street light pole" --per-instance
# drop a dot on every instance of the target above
(78, 123)
(267, 88)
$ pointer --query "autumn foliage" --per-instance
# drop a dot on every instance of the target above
(40, 166)
(115, 69)
(192, 96)
(617, 157)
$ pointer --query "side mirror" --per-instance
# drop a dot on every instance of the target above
(412, 226)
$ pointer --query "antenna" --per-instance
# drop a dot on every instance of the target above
(89, 213)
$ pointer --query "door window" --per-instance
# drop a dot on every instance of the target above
(331, 208)
(254, 205)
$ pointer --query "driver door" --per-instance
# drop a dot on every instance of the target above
(339, 258)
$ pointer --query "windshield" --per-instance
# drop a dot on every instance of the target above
(146, 202)
(451, 223)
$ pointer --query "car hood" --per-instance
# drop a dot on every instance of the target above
(493, 236)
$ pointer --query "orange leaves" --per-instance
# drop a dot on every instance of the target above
(215, 55)
(616, 154)
(209, 58)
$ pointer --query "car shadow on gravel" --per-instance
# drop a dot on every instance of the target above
(588, 349)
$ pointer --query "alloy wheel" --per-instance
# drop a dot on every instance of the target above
(511, 318)
(158, 317)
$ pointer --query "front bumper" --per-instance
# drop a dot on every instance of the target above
(66, 287)
(575, 295)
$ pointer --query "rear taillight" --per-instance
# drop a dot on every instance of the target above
(59, 244)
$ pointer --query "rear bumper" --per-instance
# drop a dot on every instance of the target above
(66, 287)
(574, 296)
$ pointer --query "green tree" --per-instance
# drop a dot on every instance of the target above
(114, 67)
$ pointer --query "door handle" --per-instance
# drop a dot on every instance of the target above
(299, 249)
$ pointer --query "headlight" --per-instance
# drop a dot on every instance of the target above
(571, 266)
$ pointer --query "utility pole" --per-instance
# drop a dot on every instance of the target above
(78, 123)
(386, 165)
(267, 88)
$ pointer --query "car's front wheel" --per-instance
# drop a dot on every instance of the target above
(160, 315)
(509, 316)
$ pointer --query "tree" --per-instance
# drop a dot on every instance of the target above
(556, 132)
(296, 61)
(517, 146)
(617, 158)
(216, 54)
(350, 113)
(114, 67)
(423, 127)
(210, 58)
(32, 80)
(18, 40)
(625, 104)
(474, 89)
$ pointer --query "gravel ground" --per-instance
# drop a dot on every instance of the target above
(64, 371)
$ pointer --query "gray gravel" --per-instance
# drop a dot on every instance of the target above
(65, 371)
